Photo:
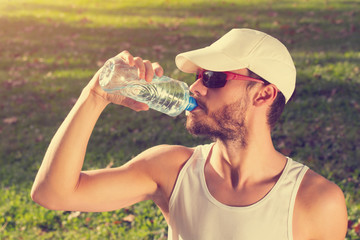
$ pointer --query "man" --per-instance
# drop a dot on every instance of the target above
(238, 187)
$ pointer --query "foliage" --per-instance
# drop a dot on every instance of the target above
(49, 51)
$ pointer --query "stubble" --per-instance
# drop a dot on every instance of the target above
(226, 124)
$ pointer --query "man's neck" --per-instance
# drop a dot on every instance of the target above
(256, 161)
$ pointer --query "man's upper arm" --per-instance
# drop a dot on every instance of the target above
(320, 210)
(114, 188)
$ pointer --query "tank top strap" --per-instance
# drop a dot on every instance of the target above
(297, 172)
(196, 161)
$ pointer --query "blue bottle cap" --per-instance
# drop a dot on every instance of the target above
(192, 104)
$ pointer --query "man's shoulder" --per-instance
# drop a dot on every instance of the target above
(161, 160)
(317, 191)
(162, 164)
(167, 152)
(320, 205)
(164, 160)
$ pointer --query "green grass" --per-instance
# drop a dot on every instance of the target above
(50, 50)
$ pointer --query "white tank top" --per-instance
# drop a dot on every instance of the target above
(196, 215)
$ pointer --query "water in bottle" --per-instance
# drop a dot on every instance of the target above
(163, 94)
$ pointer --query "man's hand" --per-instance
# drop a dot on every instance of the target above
(146, 70)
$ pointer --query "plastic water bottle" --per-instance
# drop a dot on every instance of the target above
(163, 94)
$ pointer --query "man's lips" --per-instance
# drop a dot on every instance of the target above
(201, 105)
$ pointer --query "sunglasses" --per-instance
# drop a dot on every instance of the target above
(211, 79)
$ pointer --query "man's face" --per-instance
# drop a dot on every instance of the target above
(221, 112)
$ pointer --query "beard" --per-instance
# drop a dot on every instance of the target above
(225, 124)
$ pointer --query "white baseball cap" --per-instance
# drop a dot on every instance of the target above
(245, 48)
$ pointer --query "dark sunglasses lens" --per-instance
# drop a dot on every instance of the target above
(214, 79)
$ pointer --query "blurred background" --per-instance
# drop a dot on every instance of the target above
(49, 50)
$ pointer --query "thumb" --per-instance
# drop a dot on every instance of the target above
(134, 105)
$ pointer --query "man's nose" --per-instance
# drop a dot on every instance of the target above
(198, 88)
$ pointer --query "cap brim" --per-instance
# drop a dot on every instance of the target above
(207, 58)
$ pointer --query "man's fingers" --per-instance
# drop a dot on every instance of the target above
(146, 69)
(149, 74)
(126, 57)
(141, 67)
(159, 71)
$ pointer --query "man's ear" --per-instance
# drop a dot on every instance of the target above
(266, 95)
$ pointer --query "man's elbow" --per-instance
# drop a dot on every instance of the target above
(45, 200)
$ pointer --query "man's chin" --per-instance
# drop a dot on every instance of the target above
(198, 128)
(192, 127)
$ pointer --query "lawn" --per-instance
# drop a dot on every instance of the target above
(50, 49)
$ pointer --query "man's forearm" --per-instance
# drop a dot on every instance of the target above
(59, 173)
